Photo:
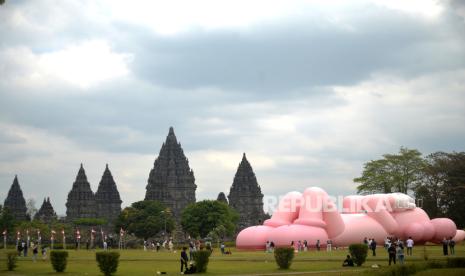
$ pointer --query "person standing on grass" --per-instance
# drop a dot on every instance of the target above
(392, 253)
(191, 249)
(400, 253)
(305, 245)
(329, 245)
(184, 259)
(25, 249)
(318, 245)
(445, 245)
(373, 247)
(44, 253)
(35, 251)
(452, 246)
(170, 246)
(409, 246)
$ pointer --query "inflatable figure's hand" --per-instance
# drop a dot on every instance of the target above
(402, 202)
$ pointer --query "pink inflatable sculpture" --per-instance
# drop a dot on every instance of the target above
(313, 216)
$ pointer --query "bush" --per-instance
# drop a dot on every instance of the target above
(11, 258)
(358, 252)
(284, 256)
(59, 260)
(456, 262)
(432, 264)
(201, 260)
(406, 269)
(107, 262)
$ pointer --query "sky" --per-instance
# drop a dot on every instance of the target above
(309, 90)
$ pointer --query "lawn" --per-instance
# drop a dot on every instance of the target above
(138, 262)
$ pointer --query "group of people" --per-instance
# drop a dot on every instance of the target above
(448, 245)
(23, 248)
(300, 246)
(156, 245)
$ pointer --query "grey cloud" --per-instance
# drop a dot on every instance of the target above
(284, 56)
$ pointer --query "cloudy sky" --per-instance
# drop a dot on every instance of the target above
(310, 90)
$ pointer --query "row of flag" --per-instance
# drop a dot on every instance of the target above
(53, 233)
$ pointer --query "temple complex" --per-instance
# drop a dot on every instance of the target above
(246, 197)
(15, 201)
(171, 181)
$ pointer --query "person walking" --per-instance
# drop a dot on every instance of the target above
(445, 245)
(451, 246)
(392, 253)
(184, 259)
(400, 253)
(409, 246)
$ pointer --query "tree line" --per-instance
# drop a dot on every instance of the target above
(437, 180)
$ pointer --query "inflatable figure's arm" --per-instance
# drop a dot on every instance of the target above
(288, 210)
(377, 207)
(334, 223)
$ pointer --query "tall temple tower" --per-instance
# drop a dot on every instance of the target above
(15, 201)
(171, 181)
(246, 197)
(46, 213)
(81, 200)
(107, 198)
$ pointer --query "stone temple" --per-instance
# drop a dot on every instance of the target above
(83, 203)
(46, 213)
(15, 202)
(107, 197)
(171, 181)
(246, 197)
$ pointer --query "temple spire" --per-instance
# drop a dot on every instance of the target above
(81, 201)
(46, 212)
(107, 197)
(15, 201)
(246, 196)
(171, 181)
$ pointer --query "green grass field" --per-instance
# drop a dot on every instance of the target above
(138, 262)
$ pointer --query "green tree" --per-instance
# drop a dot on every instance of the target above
(200, 218)
(442, 189)
(7, 221)
(431, 188)
(393, 173)
(145, 219)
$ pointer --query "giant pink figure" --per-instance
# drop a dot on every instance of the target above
(313, 216)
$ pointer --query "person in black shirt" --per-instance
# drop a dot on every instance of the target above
(392, 253)
(348, 261)
(373, 247)
(184, 259)
(445, 245)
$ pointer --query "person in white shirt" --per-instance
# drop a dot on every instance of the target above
(409, 246)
